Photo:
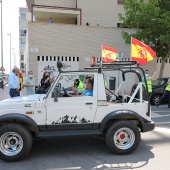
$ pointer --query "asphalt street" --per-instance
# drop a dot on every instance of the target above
(84, 152)
(161, 115)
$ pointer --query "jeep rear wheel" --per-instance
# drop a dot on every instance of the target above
(15, 142)
(122, 137)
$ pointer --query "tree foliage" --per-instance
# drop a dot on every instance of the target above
(151, 21)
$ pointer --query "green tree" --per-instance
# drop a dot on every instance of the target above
(150, 20)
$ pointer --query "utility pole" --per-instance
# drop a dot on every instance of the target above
(10, 53)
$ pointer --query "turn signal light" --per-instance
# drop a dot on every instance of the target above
(29, 113)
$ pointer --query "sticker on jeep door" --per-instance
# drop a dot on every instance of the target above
(68, 119)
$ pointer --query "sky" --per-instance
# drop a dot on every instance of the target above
(10, 24)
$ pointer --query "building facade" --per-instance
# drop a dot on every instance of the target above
(25, 17)
(79, 29)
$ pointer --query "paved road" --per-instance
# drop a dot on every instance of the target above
(4, 93)
(88, 153)
(161, 115)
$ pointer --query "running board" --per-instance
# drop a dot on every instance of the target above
(69, 133)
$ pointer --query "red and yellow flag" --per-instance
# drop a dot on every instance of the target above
(141, 52)
(109, 54)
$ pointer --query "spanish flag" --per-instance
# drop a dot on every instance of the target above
(109, 54)
(141, 52)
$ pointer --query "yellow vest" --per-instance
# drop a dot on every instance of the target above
(168, 87)
(21, 82)
(80, 87)
(149, 83)
(105, 83)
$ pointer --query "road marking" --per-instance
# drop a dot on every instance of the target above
(160, 111)
(69, 168)
(161, 123)
(160, 116)
(163, 130)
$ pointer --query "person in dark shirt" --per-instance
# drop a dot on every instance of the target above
(45, 81)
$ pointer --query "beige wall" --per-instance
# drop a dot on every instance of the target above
(103, 11)
(72, 41)
(62, 3)
(79, 41)
(96, 12)
(166, 69)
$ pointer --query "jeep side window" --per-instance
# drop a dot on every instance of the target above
(67, 84)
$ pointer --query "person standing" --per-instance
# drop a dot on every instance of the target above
(80, 83)
(29, 84)
(149, 81)
(165, 93)
(51, 21)
(13, 82)
(20, 81)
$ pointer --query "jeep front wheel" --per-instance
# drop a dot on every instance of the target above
(15, 142)
(122, 137)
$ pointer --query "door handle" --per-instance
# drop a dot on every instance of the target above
(89, 103)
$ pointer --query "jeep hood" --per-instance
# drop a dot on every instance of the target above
(20, 102)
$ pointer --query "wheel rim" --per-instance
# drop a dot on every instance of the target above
(11, 143)
(124, 138)
(156, 99)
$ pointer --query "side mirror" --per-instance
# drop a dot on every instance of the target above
(59, 65)
(55, 94)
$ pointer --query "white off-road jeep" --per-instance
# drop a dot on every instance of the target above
(117, 114)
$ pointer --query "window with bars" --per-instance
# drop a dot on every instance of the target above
(22, 49)
(23, 24)
(22, 65)
(23, 16)
(120, 1)
(23, 33)
(22, 40)
(61, 58)
(22, 57)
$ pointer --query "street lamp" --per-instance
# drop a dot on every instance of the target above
(13, 58)
(1, 46)
(10, 52)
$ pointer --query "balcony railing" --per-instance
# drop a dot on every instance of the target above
(68, 9)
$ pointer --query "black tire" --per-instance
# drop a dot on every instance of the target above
(15, 142)
(155, 98)
(122, 129)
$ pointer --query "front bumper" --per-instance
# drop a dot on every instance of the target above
(148, 126)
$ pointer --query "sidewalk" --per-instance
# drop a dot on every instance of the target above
(4, 93)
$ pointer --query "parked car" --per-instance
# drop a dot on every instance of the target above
(5, 81)
(158, 87)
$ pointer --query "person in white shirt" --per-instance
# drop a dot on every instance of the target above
(29, 84)
(13, 82)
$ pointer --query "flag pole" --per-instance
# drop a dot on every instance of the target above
(92, 59)
(101, 63)
(101, 53)
(131, 49)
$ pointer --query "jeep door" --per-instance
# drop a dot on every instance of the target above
(70, 112)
